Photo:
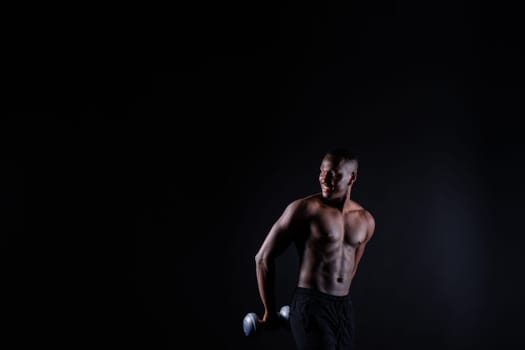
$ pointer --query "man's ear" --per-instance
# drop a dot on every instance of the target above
(353, 177)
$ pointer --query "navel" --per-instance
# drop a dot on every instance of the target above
(340, 279)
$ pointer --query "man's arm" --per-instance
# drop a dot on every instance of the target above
(277, 240)
(361, 248)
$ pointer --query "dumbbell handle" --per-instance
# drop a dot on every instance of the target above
(251, 321)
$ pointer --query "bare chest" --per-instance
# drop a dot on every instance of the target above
(336, 227)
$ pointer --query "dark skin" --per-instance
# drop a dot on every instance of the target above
(330, 232)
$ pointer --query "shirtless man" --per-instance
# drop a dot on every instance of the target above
(330, 232)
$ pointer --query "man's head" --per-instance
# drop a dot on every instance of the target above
(338, 173)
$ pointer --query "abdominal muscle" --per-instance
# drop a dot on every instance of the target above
(327, 268)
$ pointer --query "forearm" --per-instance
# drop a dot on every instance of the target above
(265, 270)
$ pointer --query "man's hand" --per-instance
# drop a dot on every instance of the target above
(252, 323)
(271, 320)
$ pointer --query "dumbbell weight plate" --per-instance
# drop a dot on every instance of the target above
(249, 324)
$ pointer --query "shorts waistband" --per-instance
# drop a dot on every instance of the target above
(319, 294)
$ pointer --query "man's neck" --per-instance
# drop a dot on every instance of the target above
(340, 203)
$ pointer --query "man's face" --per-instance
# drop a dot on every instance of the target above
(334, 177)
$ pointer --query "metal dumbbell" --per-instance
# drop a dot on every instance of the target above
(251, 323)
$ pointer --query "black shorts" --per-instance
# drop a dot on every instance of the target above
(322, 321)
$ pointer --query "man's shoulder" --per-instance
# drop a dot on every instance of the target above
(304, 203)
(369, 219)
(309, 201)
(363, 213)
(359, 208)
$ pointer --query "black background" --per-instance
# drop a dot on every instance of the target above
(157, 145)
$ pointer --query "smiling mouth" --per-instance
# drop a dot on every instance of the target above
(326, 188)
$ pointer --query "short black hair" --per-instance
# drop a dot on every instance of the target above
(343, 153)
